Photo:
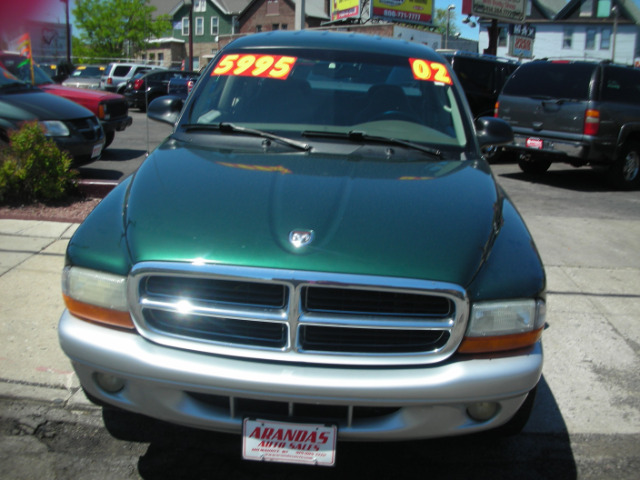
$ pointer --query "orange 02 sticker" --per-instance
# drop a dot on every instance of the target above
(248, 65)
(430, 71)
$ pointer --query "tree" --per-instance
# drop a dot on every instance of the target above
(440, 22)
(117, 28)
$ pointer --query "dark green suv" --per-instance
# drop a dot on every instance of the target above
(318, 251)
(577, 112)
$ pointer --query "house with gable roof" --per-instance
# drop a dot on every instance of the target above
(210, 18)
(269, 15)
(574, 29)
(216, 19)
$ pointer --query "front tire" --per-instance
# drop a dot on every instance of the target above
(108, 139)
(624, 174)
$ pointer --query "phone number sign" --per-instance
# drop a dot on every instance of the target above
(411, 11)
(521, 39)
(508, 10)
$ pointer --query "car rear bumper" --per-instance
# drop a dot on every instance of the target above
(140, 99)
(549, 145)
(580, 151)
(108, 87)
(216, 393)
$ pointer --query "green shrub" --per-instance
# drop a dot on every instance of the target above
(33, 168)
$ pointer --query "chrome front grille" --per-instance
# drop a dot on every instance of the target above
(369, 340)
(374, 302)
(297, 316)
(88, 127)
(218, 291)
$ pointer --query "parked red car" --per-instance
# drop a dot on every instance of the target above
(111, 109)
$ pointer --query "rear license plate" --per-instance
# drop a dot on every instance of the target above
(97, 150)
(268, 441)
(536, 143)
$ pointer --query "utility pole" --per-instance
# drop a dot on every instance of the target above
(450, 8)
(191, 35)
(614, 10)
(66, 4)
(493, 31)
(299, 16)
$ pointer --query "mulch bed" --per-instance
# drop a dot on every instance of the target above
(72, 210)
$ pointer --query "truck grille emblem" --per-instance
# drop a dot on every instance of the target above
(300, 238)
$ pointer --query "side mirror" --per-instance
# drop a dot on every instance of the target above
(493, 131)
(165, 109)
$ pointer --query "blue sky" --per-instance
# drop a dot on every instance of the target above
(465, 30)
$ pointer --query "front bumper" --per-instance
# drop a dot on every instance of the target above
(116, 124)
(79, 148)
(208, 391)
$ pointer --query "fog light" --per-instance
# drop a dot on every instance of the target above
(109, 383)
(482, 411)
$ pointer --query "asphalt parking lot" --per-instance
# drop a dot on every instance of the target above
(586, 421)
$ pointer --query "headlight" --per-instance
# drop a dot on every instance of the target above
(54, 128)
(503, 325)
(97, 296)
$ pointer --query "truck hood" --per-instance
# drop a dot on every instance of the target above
(368, 215)
(85, 97)
(34, 104)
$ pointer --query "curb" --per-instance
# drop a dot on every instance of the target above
(96, 188)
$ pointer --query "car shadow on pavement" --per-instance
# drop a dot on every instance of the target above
(542, 451)
(122, 154)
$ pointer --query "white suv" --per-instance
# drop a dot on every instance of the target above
(116, 75)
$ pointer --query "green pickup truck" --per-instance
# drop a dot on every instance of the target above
(318, 252)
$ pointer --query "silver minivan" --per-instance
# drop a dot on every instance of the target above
(115, 77)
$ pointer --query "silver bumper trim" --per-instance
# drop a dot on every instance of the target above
(431, 400)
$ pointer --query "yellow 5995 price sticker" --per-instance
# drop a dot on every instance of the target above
(430, 71)
(249, 65)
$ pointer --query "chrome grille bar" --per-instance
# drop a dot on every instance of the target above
(299, 316)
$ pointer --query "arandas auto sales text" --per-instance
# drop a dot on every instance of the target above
(289, 438)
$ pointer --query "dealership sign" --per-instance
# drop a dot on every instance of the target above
(406, 11)
(506, 10)
(521, 40)
(341, 9)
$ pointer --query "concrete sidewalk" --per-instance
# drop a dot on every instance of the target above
(32, 365)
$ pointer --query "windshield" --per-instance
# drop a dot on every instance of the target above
(549, 79)
(7, 78)
(21, 68)
(88, 72)
(331, 91)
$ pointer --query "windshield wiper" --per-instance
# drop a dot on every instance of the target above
(226, 127)
(358, 136)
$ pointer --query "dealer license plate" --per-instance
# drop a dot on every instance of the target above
(536, 143)
(268, 441)
(97, 150)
